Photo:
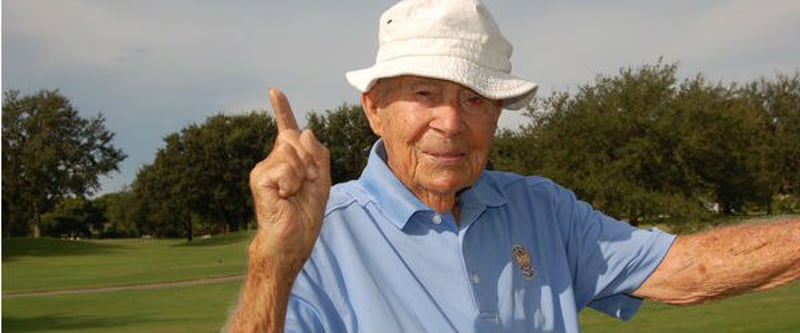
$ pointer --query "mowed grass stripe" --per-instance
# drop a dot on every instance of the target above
(52, 264)
(111, 289)
(201, 308)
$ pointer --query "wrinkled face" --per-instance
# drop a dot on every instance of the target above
(437, 133)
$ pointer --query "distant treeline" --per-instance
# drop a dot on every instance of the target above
(645, 146)
(641, 145)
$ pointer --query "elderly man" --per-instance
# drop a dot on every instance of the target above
(427, 240)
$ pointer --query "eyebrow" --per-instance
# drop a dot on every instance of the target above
(417, 80)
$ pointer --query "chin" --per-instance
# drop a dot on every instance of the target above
(449, 186)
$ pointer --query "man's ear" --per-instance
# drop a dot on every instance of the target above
(370, 107)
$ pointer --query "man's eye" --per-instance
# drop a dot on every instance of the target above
(423, 93)
(475, 100)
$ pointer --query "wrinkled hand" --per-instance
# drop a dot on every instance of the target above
(290, 190)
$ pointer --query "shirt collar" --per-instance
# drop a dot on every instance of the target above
(400, 204)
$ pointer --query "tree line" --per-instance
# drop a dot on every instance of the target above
(641, 145)
(647, 147)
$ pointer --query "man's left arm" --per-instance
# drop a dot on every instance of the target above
(726, 261)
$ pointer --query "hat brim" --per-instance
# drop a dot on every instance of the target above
(515, 92)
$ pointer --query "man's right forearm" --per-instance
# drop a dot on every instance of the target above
(263, 302)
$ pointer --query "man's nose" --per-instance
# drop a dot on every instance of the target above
(448, 118)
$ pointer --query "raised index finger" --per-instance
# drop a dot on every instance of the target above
(283, 112)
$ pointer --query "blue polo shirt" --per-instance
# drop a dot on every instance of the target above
(526, 256)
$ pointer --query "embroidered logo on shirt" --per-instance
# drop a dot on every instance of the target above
(524, 261)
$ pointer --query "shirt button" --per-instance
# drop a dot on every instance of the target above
(437, 218)
(475, 278)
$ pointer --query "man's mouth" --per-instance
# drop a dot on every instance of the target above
(446, 157)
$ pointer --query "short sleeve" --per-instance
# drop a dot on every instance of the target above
(609, 258)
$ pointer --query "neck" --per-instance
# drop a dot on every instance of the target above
(441, 203)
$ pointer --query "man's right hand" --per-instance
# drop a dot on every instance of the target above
(290, 190)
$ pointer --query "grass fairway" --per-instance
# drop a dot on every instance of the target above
(172, 310)
(52, 264)
(56, 265)
(772, 311)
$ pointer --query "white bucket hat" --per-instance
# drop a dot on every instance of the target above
(454, 40)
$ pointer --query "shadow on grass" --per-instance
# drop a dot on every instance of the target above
(46, 247)
(56, 322)
(231, 238)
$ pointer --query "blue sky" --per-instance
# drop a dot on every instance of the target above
(153, 67)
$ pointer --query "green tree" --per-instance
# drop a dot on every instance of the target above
(606, 142)
(346, 133)
(165, 187)
(510, 153)
(779, 101)
(121, 213)
(49, 152)
(722, 144)
(73, 217)
(200, 177)
(642, 146)
(222, 152)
